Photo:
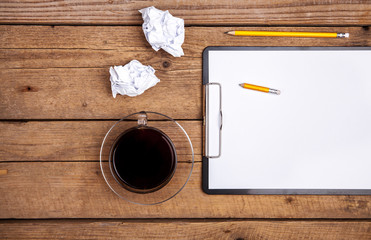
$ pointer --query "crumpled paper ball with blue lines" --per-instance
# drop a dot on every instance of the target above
(132, 79)
(162, 30)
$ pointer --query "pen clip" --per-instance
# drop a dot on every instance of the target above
(207, 124)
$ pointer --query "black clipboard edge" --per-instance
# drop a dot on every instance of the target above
(205, 160)
(205, 64)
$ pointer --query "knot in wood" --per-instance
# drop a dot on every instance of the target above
(166, 64)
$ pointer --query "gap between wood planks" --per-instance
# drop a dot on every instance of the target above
(187, 25)
(85, 120)
(190, 220)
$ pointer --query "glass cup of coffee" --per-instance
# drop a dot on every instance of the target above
(146, 158)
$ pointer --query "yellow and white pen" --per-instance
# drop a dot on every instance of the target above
(260, 88)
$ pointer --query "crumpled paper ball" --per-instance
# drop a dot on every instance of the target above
(162, 30)
(132, 79)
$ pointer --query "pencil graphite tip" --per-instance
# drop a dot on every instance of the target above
(241, 84)
(230, 32)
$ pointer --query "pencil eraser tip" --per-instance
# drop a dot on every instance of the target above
(278, 92)
(346, 35)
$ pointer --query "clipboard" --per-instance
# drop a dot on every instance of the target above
(314, 138)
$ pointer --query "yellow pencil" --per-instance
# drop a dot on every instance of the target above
(288, 34)
(259, 88)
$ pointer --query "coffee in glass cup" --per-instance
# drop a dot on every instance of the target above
(143, 159)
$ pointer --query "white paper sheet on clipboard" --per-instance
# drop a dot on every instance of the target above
(314, 138)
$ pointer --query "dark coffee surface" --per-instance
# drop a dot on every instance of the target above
(143, 158)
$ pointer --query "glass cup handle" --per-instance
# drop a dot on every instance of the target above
(142, 119)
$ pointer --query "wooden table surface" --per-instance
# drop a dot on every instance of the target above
(56, 106)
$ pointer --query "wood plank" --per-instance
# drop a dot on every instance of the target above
(101, 47)
(210, 12)
(86, 94)
(44, 73)
(72, 140)
(243, 229)
(131, 39)
(78, 190)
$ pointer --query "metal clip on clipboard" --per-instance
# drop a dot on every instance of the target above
(207, 120)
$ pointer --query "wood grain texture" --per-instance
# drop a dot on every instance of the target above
(78, 190)
(212, 12)
(70, 140)
(62, 72)
(132, 40)
(82, 93)
(150, 229)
